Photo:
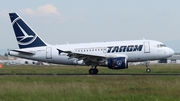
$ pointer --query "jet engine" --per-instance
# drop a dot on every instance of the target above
(117, 63)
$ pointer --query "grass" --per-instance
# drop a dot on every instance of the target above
(89, 88)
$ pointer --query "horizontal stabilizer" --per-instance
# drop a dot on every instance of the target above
(24, 52)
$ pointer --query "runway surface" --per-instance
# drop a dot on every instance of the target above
(28, 74)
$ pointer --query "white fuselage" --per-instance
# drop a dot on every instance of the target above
(151, 50)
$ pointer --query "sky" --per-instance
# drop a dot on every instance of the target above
(82, 21)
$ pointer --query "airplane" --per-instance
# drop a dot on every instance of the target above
(113, 55)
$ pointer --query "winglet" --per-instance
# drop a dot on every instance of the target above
(59, 51)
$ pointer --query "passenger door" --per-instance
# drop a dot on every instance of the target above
(146, 47)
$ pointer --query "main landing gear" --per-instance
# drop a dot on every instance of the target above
(148, 70)
(93, 70)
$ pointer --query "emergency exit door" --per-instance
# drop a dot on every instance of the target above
(146, 47)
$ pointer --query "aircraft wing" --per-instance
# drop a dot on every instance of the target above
(88, 59)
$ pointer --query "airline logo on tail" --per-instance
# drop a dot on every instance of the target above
(26, 37)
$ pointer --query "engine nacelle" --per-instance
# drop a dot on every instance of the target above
(117, 63)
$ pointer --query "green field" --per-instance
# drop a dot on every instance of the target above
(89, 88)
(33, 69)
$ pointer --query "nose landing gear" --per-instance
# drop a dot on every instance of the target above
(148, 70)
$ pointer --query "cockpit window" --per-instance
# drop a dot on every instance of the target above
(161, 45)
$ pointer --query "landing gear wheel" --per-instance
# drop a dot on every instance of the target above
(148, 70)
(93, 71)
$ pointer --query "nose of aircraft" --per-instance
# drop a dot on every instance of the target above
(171, 52)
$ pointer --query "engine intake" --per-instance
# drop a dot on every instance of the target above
(117, 63)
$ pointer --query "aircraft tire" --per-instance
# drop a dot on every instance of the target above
(93, 71)
(96, 71)
(148, 70)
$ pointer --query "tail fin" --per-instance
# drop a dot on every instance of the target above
(26, 37)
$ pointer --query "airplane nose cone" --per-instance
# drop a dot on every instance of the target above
(171, 52)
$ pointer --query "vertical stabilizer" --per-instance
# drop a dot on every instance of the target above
(25, 36)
